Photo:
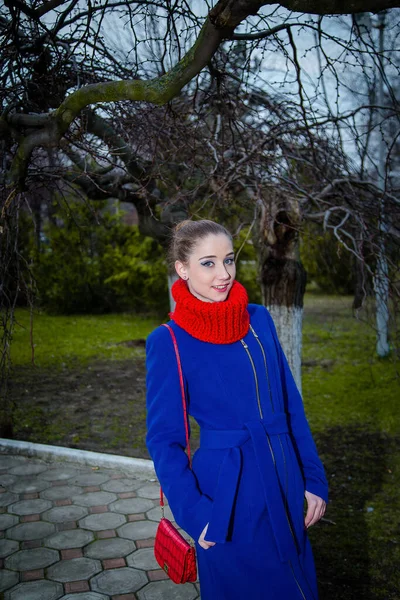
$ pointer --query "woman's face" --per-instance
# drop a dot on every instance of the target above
(210, 270)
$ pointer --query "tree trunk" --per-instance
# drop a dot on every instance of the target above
(282, 276)
(172, 277)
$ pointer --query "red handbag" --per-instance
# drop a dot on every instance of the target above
(173, 553)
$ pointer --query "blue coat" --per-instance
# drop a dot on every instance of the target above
(256, 458)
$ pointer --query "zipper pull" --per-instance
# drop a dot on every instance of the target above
(254, 333)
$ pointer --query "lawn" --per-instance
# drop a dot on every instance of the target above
(88, 390)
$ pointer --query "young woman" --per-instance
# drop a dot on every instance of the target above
(243, 500)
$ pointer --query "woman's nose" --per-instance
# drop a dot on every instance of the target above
(223, 273)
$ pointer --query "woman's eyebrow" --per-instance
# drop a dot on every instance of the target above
(213, 256)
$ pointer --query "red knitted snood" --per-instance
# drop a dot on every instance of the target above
(217, 322)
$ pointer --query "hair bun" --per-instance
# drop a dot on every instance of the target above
(181, 224)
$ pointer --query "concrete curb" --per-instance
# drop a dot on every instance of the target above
(132, 466)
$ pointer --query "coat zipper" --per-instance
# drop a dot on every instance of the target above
(298, 584)
(266, 367)
(245, 346)
(273, 409)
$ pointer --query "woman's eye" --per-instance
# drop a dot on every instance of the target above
(230, 261)
(209, 262)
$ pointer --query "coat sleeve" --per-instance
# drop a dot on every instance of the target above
(166, 439)
(313, 470)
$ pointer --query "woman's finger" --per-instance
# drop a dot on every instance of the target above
(311, 509)
(204, 543)
(315, 509)
(319, 512)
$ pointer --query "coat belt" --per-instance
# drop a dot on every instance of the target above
(258, 432)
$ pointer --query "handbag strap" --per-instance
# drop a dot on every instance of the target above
(185, 415)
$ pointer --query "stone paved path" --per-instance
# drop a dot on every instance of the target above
(79, 533)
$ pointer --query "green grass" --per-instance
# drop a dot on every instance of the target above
(347, 383)
(352, 400)
(64, 341)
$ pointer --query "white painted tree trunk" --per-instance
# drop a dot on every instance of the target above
(381, 278)
(381, 286)
(171, 279)
(288, 322)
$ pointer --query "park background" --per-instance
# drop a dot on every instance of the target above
(285, 130)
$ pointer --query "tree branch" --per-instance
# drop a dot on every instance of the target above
(157, 91)
(336, 7)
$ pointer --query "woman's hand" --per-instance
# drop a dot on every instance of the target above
(315, 509)
(202, 542)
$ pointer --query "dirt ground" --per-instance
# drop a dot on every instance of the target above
(99, 407)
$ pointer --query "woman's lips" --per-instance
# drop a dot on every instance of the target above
(222, 289)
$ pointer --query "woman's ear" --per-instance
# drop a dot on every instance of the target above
(180, 269)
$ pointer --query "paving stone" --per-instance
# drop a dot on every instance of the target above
(94, 498)
(113, 563)
(149, 543)
(30, 496)
(7, 547)
(59, 474)
(76, 586)
(30, 468)
(7, 498)
(137, 517)
(120, 485)
(32, 575)
(131, 505)
(65, 502)
(90, 479)
(155, 513)
(85, 596)
(119, 581)
(98, 509)
(71, 553)
(8, 461)
(102, 521)
(111, 548)
(159, 590)
(8, 579)
(28, 560)
(30, 507)
(107, 533)
(7, 480)
(151, 491)
(157, 575)
(66, 526)
(29, 518)
(138, 531)
(7, 521)
(74, 538)
(35, 590)
(143, 559)
(75, 569)
(30, 544)
(30, 531)
(63, 514)
(61, 492)
(27, 485)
